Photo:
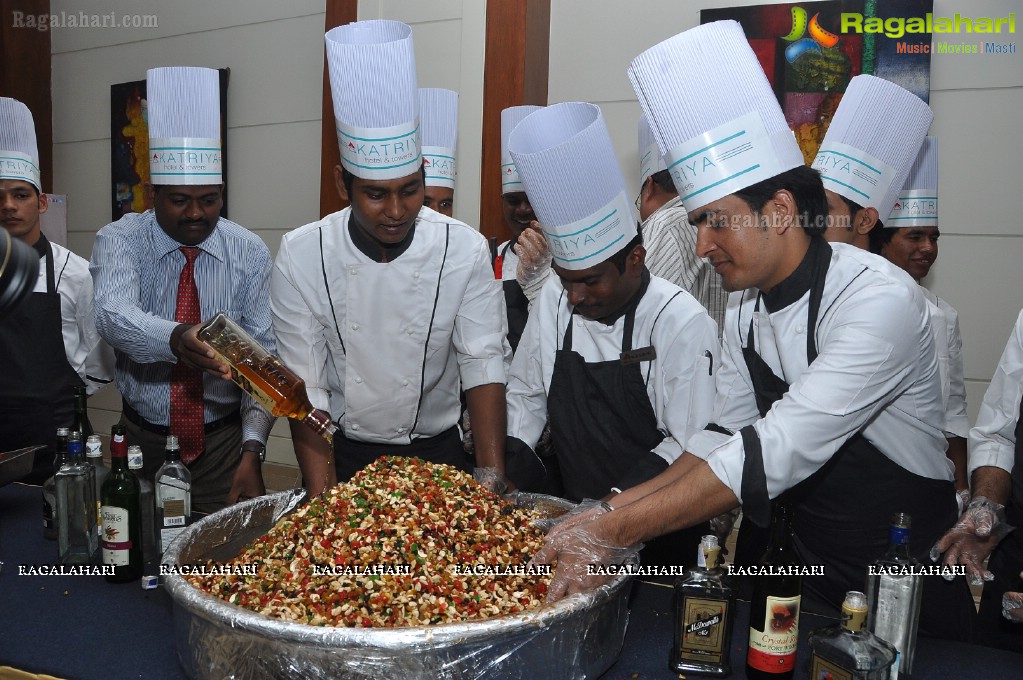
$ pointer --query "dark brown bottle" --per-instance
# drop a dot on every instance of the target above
(704, 608)
(121, 537)
(774, 607)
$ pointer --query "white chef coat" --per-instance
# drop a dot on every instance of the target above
(510, 263)
(678, 382)
(876, 372)
(949, 346)
(379, 346)
(993, 439)
(89, 357)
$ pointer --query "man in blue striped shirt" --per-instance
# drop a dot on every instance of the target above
(137, 263)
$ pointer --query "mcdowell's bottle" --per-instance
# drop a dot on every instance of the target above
(849, 651)
(704, 606)
(263, 375)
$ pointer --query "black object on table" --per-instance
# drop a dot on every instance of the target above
(83, 627)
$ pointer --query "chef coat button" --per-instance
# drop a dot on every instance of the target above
(404, 383)
(354, 272)
(410, 330)
(355, 326)
(415, 275)
(800, 328)
(355, 426)
(358, 381)
(401, 430)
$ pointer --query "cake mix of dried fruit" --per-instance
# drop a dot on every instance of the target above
(403, 543)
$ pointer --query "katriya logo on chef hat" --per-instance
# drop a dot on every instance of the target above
(19, 154)
(376, 107)
(735, 136)
(872, 141)
(438, 118)
(917, 204)
(510, 117)
(571, 175)
(183, 105)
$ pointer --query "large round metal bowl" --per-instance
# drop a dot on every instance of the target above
(577, 637)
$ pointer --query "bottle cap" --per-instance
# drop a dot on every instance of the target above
(855, 608)
(134, 457)
(94, 446)
(63, 431)
(172, 442)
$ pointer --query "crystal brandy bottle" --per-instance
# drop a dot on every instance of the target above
(849, 651)
(263, 375)
(704, 606)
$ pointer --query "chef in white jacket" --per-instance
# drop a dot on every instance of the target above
(438, 122)
(829, 377)
(620, 361)
(388, 309)
(909, 240)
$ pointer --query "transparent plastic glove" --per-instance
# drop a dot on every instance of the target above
(491, 478)
(586, 510)
(579, 552)
(1012, 607)
(467, 444)
(534, 260)
(722, 527)
(964, 498)
(979, 529)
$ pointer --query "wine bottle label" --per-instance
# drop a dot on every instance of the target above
(704, 625)
(774, 649)
(115, 539)
(819, 668)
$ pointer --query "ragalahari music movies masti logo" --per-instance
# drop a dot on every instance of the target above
(819, 37)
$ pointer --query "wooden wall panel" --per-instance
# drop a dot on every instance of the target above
(25, 70)
(515, 73)
(339, 12)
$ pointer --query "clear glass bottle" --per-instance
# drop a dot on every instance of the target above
(76, 506)
(263, 375)
(848, 651)
(147, 504)
(704, 607)
(50, 486)
(81, 422)
(774, 607)
(94, 456)
(173, 496)
(122, 521)
(894, 589)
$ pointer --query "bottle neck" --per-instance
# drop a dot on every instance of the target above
(118, 453)
(173, 456)
(855, 619)
(781, 529)
(322, 424)
(898, 541)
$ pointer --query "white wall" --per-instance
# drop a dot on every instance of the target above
(976, 101)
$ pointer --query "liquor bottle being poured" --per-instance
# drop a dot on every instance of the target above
(263, 375)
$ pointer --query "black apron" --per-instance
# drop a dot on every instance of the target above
(517, 304)
(604, 431)
(842, 511)
(1006, 563)
(37, 381)
(351, 455)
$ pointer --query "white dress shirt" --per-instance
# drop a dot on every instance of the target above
(876, 372)
(386, 347)
(949, 346)
(993, 439)
(89, 357)
(678, 381)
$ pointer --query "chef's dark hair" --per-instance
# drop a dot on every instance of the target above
(662, 178)
(804, 183)
(618, 259)
(348, 178)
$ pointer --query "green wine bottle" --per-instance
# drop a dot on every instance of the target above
(81, 421)
(122, 516)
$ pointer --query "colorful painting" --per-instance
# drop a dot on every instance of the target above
(129, 145)
(809, 60)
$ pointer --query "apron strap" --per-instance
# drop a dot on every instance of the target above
(756, 503)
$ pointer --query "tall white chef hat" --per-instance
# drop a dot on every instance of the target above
(510, 117)
(19, 154)
(376, 104)
(712, 111)
(184, 125)
(871, 142)
(438, 120)
(569, 168)
(650, 160)
(917, 203)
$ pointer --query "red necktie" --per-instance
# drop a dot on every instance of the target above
(186, 404)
